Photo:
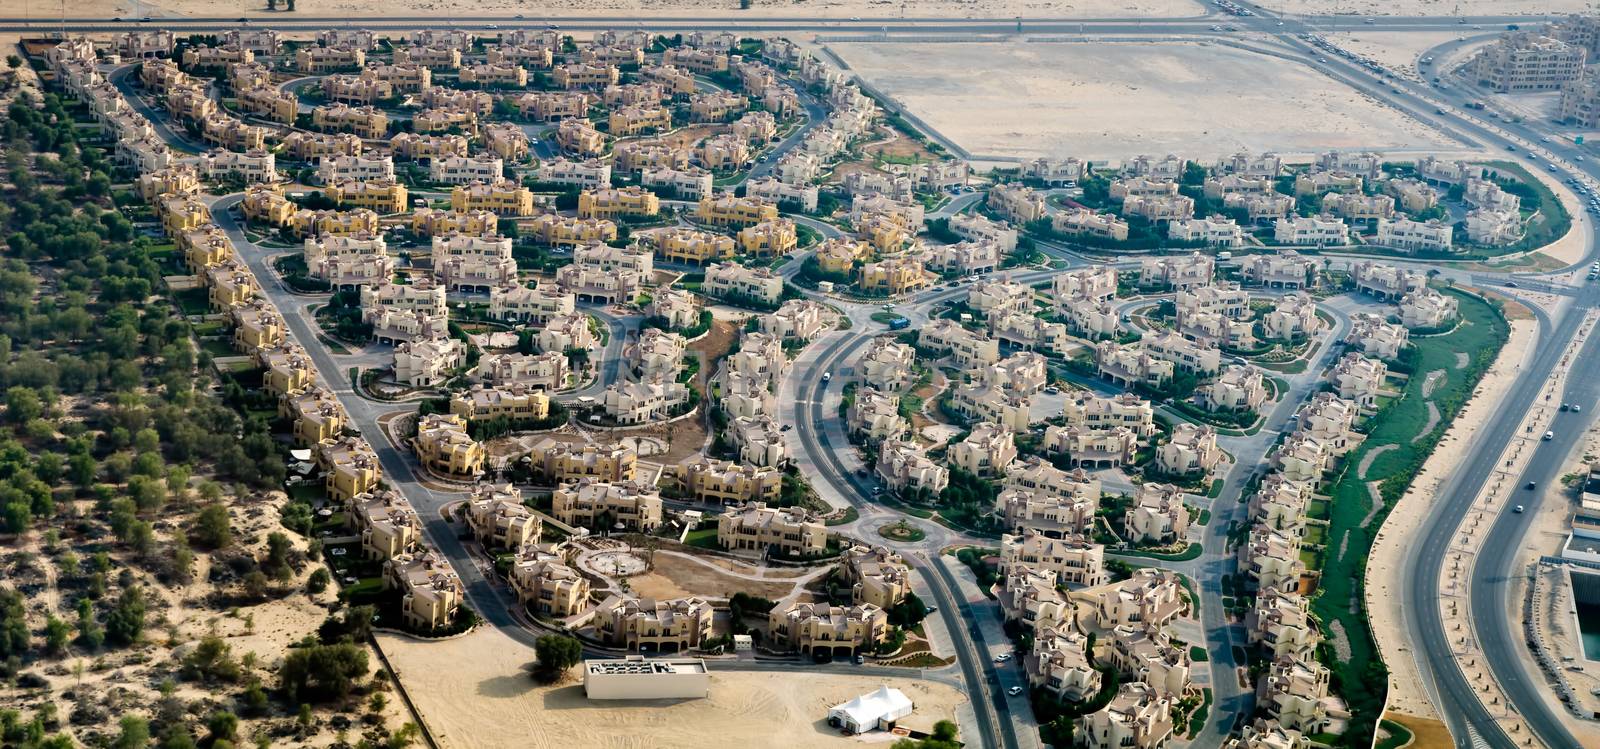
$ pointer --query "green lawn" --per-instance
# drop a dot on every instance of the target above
(1360, 679)
(705, 538)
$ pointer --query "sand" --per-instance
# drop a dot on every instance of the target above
(1112, 101)
(1395, 50)
(1428, 7)
(627, 10)
(475, 691)
(1385, 565)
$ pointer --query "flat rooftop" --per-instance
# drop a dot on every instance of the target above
(637, 665)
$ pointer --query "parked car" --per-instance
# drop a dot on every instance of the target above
(1014, 691)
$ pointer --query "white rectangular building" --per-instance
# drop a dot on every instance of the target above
(635, 677)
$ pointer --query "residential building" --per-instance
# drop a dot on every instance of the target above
(964, 346)
(736, 282)
(499, 519)
(430, 591)
(1428, 309)
(443, 446)
(906, 468)
(1240, 388)
(1177, 272)
(1293, 318)
(794, 531)
(548, 586)
(988, 450)
(349, 467)
(1359, 379)
(546, 371)
(427, 362)
(1522, 62)
(658, 626)
(560, 462)
(463, 170)
(888, 365)
(1083, 222)
(501, 197)
(1376, 336)
(1139, 716)
(1074, 560)
(1405, 234)
(817, 629)
(1191, 450)
(1385, 281)
(642, 402)
(604, 505)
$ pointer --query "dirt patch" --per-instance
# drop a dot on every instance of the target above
(676, 577)
(1339, 640)
(478, 693)
(1511, 307)
(1432, 381)
(1426, 733)
(851, 167)
(1366, 460)
(689, 136)
(1433, 421)
(897, 148)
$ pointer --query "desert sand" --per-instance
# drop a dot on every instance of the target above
(1395, 50)
(1112, 101)
(1428, 7)
(475, 691)
(623, 10)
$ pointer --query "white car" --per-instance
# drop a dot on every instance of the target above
(1002, 658)
(1014, 691)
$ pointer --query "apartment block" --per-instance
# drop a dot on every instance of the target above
(1087, 223)
(428, 361)
(1428, 309)
(499, 519)
(1191, 450)
(613, 202)
(547, 585)
(364, 122)
(430, 591)
(1406, 234)
(1525, 62)
(562, 462)
(906, 468)
(1074, 560)
(729, 281)
(756, 527)
(593, 503)
(350, 467)
(817, 629)
(443, 446)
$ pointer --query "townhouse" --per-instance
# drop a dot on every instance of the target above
(793, 531)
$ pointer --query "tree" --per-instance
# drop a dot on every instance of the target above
(125, 622)
(556, 654)
(211, 660)
(13, 625)
(322, 673)
(318, 581)
(909, 612)
(354, 625)
(177, 736)
(254, 701)
(213, 529)
(56, 635)
(223, 726)
(135, 733)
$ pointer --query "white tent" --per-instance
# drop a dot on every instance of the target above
(879, 709)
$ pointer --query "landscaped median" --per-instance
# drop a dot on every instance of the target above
(1353, 521)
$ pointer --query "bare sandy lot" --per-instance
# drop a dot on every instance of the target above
(628, 10)
(1429, 7)
(1396, 50)
(475, 691)
(1112, 101)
